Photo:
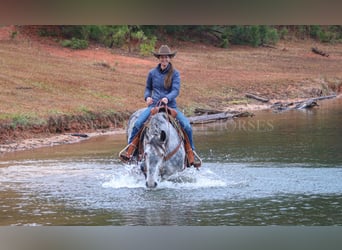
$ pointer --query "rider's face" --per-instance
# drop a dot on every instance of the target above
(164, 61)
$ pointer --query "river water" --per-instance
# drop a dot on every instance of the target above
(270, 169)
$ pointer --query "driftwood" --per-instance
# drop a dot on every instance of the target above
(268, 46)
(319, 52)
(306, 104)
(309, 103)
(218, 116)
(201, 111)
(248, 95)
(324, 97)
(80, 135)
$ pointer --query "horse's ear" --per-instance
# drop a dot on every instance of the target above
(162, 136)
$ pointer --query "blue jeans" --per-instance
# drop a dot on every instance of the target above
(183, 121)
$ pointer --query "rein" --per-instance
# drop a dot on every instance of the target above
(169, 155)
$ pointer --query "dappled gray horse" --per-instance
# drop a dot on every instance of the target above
(163, 147)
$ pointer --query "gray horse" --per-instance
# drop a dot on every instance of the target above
(163, 148)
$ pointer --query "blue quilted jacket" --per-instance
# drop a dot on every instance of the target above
(155, 86)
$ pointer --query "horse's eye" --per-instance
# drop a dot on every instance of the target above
(162, 136)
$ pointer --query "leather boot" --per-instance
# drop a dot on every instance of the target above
(190, 154)
(197, 160)
(127, 153)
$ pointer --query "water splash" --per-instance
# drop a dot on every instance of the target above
(190, 178)
(127, 177)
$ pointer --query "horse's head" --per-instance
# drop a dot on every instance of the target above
(155, 139)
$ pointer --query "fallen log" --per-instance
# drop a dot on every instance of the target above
(306, 104)
(319, 52)
(261, 99)
(268, 46)
(211, 117)
(80, 135)
(216, 117)
(207, 111)
(324, 97)
(309, 103)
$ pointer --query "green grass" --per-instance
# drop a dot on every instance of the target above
(25, 120)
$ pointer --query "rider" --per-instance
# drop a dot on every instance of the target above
(162, 84)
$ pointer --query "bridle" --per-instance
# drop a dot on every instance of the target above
(168, 156)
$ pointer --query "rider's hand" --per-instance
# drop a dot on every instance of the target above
(149, 101)
(165, 100)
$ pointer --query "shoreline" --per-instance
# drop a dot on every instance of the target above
(53, 140)
(72, 138)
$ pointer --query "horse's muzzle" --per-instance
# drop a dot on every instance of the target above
(153, 186)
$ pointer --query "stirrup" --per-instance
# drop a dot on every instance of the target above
(123, 156)
(197, 163)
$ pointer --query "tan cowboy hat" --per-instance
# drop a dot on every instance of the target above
(164, 50)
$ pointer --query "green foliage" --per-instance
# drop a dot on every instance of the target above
(97, 33)
(120, 36)
(46, 32)
(26, 120)
(143, 38)
(303, 31)
(20, 120)
(326, 34)
(315, 31)
(14, 34)
(283, 33)
(75, 43)
(254, 35)
(269, 35)
(224, 43)
(147, 46)
(80, 32)
(321, 33)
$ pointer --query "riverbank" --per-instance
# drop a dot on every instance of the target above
(53, 140)
(50, 92)
(70, 138)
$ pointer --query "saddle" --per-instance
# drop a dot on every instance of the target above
(170, 111)
(136, 146)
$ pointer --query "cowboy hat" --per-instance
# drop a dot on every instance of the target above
(164, 50)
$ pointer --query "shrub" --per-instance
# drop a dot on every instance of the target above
(47, 32)
(26, 120)
(120, 36)
(75, 43)
(283, 33)
(78, 31)
(147, 46)
(270, 35)
(14, 34)
(315, 30)
(326, 36)
(224, 43)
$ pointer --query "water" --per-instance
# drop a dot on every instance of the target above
(272, 169)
